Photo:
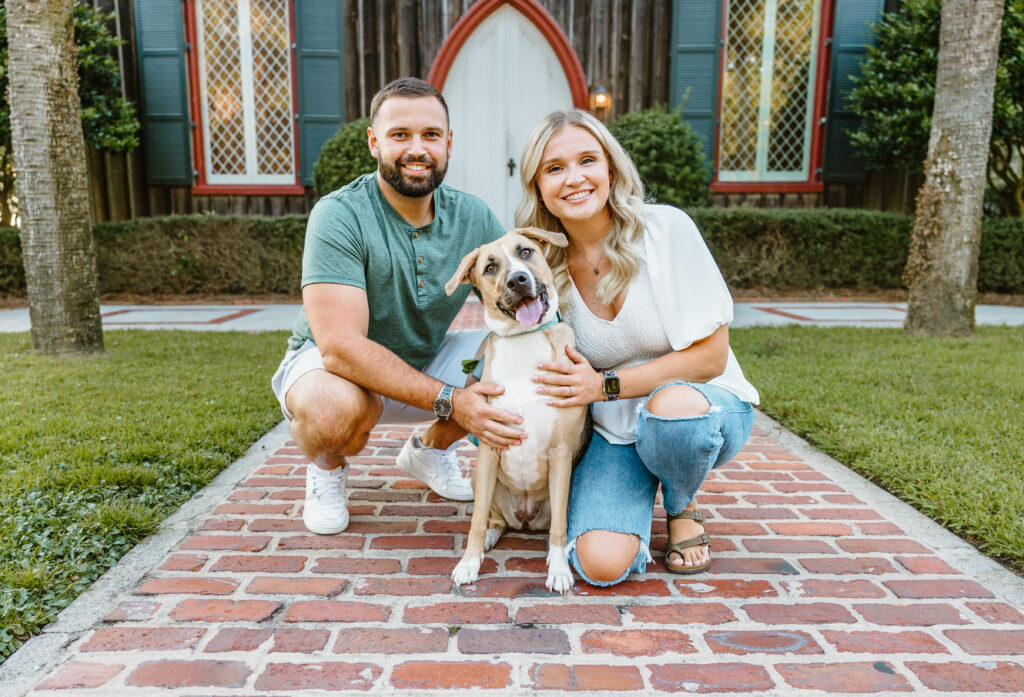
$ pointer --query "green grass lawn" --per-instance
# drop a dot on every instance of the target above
(96, 451)
(937, 422)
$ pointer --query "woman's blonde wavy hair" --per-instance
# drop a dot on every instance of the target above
(625, 204)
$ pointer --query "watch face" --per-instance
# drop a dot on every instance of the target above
(443, 408)
(611, 384)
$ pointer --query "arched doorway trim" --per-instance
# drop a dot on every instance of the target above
(540, 18)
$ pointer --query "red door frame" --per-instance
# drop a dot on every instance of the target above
(814, 183)
(200, 187)
(540, 18)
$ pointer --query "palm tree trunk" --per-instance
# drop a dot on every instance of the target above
(53, 188)
(942, 268)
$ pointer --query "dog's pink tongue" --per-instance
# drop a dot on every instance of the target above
(529, 312)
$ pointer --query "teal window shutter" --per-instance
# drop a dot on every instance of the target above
(696, 57)
(320, 76)
(850, 40)
(163, 89)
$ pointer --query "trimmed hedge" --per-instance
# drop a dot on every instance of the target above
(1001, 260)
(808, 248)
(12, 272)
(197, 254)
(783, 249)
(201, 254)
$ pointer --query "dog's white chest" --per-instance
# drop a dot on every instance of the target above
(512, 365)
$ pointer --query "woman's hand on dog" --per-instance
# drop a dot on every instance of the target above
(570, 384)
(490, 424)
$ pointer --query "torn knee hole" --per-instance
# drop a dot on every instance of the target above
(604, 556)
(678, 402)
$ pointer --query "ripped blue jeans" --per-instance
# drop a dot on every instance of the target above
(614, 486)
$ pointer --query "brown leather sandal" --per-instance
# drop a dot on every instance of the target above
(679, 547)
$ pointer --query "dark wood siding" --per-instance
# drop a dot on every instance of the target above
(624, 45)
(621, 44)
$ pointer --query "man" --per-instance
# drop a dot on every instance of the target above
(370, 343)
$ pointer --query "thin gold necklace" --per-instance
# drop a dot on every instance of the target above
(596, 266)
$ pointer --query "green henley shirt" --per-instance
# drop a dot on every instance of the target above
(354, 237)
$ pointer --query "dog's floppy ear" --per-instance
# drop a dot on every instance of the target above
(556, 238)
(462, 274)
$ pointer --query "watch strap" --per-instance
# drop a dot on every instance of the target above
(443, 402)
(611, 385)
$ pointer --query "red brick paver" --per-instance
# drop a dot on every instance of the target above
(812, 591)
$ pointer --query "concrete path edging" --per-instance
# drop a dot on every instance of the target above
(1000, 580)
(40, 654)
(276, 317)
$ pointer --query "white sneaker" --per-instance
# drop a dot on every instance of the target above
(325, 511)
(438, 469)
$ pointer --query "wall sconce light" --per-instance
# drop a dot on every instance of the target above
(600, 101)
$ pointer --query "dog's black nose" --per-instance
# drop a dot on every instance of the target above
(518, 281)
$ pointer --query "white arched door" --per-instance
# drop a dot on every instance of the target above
(505, 78)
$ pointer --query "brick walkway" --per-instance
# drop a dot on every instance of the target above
(810, 589)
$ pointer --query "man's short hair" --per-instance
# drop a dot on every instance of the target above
(406, 87)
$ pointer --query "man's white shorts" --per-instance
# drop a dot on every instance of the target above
(446, 366)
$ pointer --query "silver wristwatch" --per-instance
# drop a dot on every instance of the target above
(443, 402)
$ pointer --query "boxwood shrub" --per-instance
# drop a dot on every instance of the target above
(343, 157)
(782, 249)
(668, 154)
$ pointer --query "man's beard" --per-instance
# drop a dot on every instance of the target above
(392, 174)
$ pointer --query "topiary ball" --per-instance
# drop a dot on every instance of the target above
(343, 157)
(668, 153)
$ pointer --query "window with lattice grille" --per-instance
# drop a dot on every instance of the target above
(246, 87)
(768, 90)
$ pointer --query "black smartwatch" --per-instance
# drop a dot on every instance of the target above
(612, 386)
(443, 402)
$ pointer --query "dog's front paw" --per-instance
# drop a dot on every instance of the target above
(491, 539)
(467, 570)
(559, 574)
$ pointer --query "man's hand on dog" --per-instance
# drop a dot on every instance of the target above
(570, 384)
(490, 424)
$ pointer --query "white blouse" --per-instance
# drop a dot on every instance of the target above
(678, 297)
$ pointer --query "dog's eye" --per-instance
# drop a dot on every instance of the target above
(490, 269)
(525, 252)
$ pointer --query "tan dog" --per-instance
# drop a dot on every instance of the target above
(525, 486)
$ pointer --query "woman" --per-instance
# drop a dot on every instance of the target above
(650, 312)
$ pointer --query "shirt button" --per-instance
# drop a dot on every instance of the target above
(421, 284)
(415, 234)
(421, 260)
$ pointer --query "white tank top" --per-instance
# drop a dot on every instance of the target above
(636, 335)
